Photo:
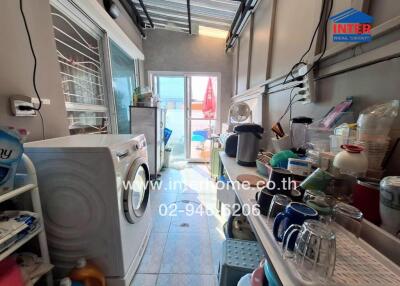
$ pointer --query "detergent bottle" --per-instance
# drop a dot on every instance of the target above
(11, 150)
(88, 274)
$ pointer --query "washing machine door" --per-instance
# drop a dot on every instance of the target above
(136, 195)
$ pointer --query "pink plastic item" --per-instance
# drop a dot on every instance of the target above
(258, 277)
(10, 273)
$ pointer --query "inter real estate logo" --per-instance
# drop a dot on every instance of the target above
(352, 25)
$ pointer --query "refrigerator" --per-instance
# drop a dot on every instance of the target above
(150, 121)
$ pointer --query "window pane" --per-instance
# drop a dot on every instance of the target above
(87, 122)
(123, 81)
(81, 67)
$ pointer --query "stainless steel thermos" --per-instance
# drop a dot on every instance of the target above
(249, 136)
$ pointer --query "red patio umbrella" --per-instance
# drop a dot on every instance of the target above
(208, 107)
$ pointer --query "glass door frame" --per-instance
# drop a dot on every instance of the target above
(187, 102)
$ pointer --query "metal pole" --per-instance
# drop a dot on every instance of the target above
(146, 13)
(189, 17)
(134, 14)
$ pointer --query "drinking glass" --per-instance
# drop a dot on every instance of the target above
(315, 250)
(349, 217)
(278, 204)
(310, 194)
(322, 203)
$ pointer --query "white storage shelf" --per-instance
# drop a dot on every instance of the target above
(19, 243)
(28, 184)
(12, 194)
(357, 263)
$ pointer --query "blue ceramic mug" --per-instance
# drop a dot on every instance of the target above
(295, 213)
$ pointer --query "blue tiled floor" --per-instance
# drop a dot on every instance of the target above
(183, 249)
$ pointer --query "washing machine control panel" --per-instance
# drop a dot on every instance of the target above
(140, 143)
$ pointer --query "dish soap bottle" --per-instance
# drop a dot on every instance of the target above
(87, 273)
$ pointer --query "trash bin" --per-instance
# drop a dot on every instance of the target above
(167, 156)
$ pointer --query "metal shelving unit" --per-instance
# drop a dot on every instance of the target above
(28, 184)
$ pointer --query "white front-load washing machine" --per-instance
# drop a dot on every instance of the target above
(95, 195)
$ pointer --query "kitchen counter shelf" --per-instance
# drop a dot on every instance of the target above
(358, 263)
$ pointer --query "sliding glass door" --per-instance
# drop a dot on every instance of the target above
(202, 116)
(171, 90)
(191, 101)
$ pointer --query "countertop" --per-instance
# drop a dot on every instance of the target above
(287, 272)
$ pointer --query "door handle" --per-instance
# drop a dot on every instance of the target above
(123, 154)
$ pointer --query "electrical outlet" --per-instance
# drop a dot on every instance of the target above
(45, 101)
(17, 101)
(308, 90)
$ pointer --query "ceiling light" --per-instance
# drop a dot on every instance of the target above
(212, 32)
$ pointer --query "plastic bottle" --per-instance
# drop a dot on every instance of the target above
(88, 274)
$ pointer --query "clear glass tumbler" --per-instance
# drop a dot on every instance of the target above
(322, 203)
(278, 204)
(349, 217)
(315, 250)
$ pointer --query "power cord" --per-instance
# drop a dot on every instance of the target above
(28, 108)
(300, 85)
(325, 40)
(299, 78)
(291, 102)
(41, 118)
(287, 107)
(301, 62)
(34, 57)
(291, 105)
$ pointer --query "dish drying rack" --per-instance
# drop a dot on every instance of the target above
(27, 183)
(357, 263)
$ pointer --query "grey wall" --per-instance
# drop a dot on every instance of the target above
(370, 85)
(261, 36)
(16, 65)
(174, 51)
(291, 34)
